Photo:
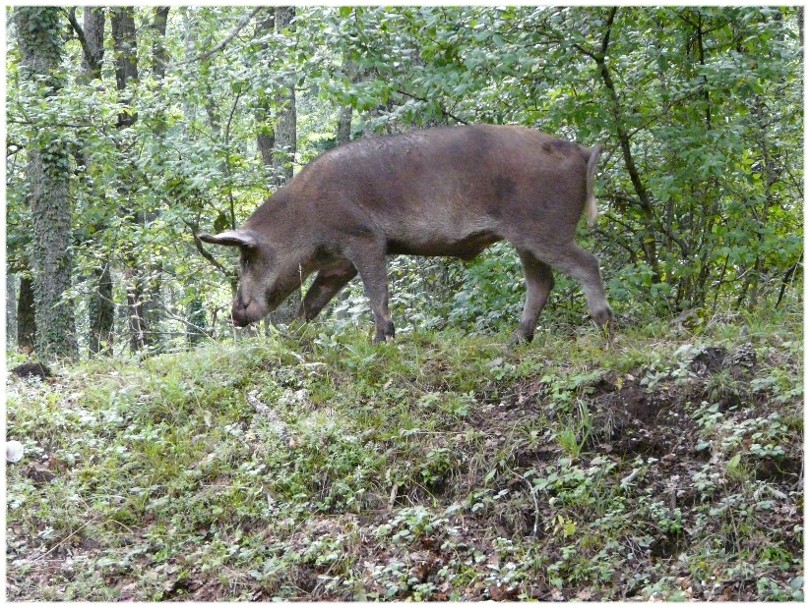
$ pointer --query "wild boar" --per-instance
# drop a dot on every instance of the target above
(447, 191)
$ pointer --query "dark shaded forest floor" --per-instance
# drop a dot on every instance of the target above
(666, 464)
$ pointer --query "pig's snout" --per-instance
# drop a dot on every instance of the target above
(243, 313)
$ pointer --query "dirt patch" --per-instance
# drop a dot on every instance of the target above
(634, 419)
(626, 416)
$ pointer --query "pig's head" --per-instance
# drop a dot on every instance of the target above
(267, 276)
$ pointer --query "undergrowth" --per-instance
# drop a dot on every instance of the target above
(664, 464)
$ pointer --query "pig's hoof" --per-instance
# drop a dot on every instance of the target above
(607, 333)
(519, 338)
(385, 334)
(608, 326)
(604, 318)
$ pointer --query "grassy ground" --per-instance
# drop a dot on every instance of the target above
(666, 464)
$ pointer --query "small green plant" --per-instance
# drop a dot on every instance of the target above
(574, 435)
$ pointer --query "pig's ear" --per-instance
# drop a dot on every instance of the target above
(232, 238)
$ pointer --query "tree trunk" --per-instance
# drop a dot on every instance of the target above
(196, 330)
(101, 311)
(648, 244)
(11, 310)
(126, 58)
(101, 308)
(159, 53)
(344, 125)
(284, 140)
(153, 285)
(126, 72)
(41, 45)
(26, 318)
(265, 136)
(93, 41)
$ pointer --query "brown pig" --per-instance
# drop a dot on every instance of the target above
(446, 191)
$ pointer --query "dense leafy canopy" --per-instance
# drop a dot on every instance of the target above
(700, 110)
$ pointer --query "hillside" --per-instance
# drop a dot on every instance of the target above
(666, 464)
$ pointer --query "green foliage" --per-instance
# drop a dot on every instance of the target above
(700, 110)
(486, 299)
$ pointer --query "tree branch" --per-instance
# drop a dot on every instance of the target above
(605, 42)
(201, 331)
(444, 111)
(239, 27)
(71, 16)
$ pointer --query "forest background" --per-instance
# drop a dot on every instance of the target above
(131, 130)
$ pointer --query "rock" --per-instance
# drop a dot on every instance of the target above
(708, 361)
(14, 451)
(40, 474)
(32, 370)
(742, 362)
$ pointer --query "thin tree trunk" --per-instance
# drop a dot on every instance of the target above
(771, 169)
(265, 137)
(159, 52)
(701, 50)
(101, 308)
(101, 311)
(126, 72)
(197, 319)
(93, 41)
(346, 112)
(344, 125)
(712, 210)
(126, 58)
(153, 285)
(284, 138)
(648, 243)
(102, 305)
